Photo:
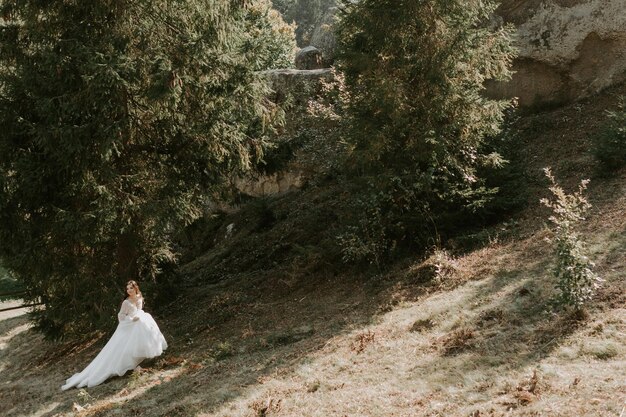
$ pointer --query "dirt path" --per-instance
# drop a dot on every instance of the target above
(11, 313)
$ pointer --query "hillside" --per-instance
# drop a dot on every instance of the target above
(267, 322)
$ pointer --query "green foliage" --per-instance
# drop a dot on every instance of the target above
(574, 271)
(609, 145)
(509, 178)
(326, 150)
(8, 284)
(367, 239)
(306, 14)
(222, 350)
(200, 236)
(271, 41)
(119, 120)
(310, 139)
(419, 128)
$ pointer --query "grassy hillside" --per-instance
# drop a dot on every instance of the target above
(267, 322)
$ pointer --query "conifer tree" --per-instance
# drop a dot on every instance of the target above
(272, 42)
(119, 118)
(306, 14)
(419, 123)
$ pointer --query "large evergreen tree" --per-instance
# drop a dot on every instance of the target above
(419, 123)
(118, 119)
(306, 13)
(272, 42)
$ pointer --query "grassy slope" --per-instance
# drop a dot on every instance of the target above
(266, 326)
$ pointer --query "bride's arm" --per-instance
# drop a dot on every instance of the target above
(125, 313)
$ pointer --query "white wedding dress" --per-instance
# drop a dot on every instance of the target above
(132, 342)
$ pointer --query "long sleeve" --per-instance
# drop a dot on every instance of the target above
(126, 312)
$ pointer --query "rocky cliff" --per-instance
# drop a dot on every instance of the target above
(568, 49)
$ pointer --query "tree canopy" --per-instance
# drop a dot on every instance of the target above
(120, 118)
(419, 124)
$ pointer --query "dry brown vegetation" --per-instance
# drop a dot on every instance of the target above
(469, 334)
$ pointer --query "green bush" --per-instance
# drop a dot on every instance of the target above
(366, 240)
(609, 145)
(577, 281)
(271, 42)
(222, 350)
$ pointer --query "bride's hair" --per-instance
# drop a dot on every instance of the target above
(135, 287)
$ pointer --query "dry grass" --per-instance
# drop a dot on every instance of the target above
(480, 339)
(361, 341)
(457, 341)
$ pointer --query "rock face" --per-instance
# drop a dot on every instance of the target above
(568, 49)
(293, 88)
(324, 38)
(309, 58)
(275, 184)
(297, 86)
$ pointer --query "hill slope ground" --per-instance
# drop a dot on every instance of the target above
(266, 326)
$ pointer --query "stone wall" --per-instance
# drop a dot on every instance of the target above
(295, 85)
(275, 184)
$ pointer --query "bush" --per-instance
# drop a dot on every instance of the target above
(8, 284)
(574, 271)
(223, 350)
(365, 241)
(609, 145)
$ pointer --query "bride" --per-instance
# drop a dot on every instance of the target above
(136, 338)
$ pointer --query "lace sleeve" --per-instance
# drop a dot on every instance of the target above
(125, 312)
(141, 303)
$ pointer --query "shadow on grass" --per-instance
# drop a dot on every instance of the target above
(228, 337)
(222, 340)
(9, 324)
(513, 322)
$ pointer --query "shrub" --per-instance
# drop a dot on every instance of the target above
(609, 145)
(574, 271)
(271, 42)
(8, 284)
(222, 351)
(365, 241)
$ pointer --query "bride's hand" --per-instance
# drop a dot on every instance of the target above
(135, 318)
